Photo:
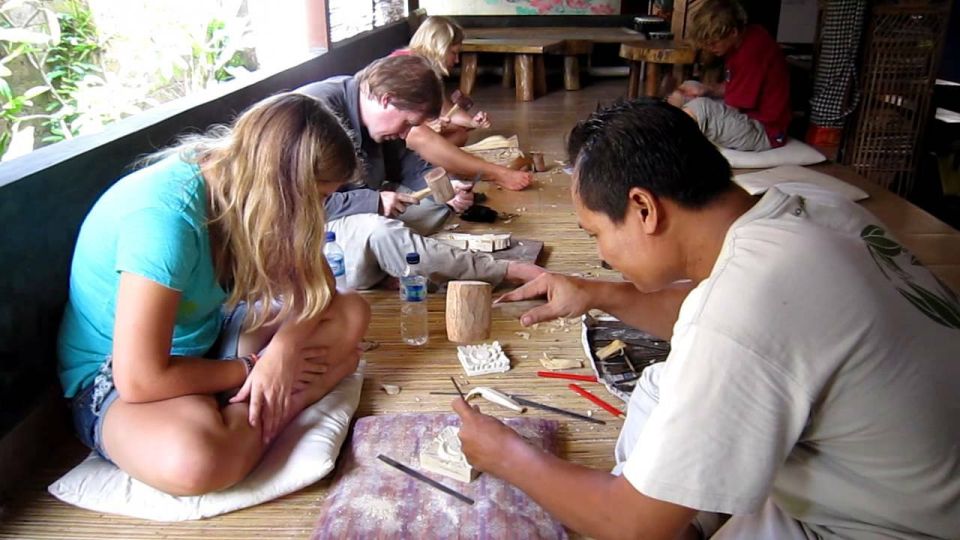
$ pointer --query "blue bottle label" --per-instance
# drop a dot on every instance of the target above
(414, 293)
(337, 266)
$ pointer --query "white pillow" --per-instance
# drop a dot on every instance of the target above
(791, 179)
(303, 453)
(793, 153)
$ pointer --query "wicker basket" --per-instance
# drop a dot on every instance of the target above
(904, 42)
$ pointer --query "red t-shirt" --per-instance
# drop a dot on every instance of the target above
(401, 52)
(758, 82)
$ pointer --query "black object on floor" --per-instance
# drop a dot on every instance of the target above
(479, 213)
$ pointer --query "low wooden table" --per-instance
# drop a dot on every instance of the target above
(527, 54)
(653, 53)
(577, 41)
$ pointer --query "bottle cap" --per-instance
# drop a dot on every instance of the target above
(413, 258)
(331, 236)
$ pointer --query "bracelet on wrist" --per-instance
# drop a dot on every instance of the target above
(248, 362)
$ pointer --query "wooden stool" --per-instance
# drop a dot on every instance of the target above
(526, 55)
(653, 53)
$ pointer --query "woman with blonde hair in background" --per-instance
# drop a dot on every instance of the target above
(202, 273)
(439, 40)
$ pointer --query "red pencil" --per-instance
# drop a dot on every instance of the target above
(571, 376)
(599, 402)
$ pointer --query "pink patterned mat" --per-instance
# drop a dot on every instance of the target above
(370, 499)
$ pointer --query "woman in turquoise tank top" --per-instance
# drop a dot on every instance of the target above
(202, 275)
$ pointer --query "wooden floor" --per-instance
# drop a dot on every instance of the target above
(546, 214)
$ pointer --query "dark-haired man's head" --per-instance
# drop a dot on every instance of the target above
(639, 167)
(397, 93)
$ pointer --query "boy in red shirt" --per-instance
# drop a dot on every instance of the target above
(750, 109)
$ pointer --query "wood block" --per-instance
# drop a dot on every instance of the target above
(443, 455)
(468, 311)
(483, 359)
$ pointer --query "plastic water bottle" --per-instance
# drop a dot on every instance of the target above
(413, 310)
(334, 254)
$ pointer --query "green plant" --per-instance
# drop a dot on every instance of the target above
(70, 61)
(61, 49)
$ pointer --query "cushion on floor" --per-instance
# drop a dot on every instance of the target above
(794, 179)
(793, 153)
(370, 499)
(304, 452)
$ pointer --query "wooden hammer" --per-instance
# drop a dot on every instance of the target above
(438, 183)
(460, 102)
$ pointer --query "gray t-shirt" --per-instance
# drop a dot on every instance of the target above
(341, 95)
(818, 365)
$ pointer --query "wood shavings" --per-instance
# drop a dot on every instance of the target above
(367, 346)
(452, 227)
(523, 335)
(559, 363)
(390, 389)
(616, 347)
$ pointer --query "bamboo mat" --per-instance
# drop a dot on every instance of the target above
(546, 214)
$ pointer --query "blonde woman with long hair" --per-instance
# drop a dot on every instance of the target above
(202, 273)
(439, 39)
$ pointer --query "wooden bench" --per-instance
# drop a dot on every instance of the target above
(527, 55)
(653, 53)
(576, 41)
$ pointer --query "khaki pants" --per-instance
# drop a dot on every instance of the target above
(375, 247)
(727, 127)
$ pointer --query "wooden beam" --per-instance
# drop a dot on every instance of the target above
(318, 24)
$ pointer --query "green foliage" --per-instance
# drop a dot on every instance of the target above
(61, 49)
(70, 61)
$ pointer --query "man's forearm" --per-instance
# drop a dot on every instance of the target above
(655, 312)
(589, 501)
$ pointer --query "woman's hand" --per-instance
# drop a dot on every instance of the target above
(480, 120)
(274, 379)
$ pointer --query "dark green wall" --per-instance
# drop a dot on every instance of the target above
(45, 195)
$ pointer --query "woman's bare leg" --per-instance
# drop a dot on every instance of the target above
(436, 150)
(182, 446)
(190, 445)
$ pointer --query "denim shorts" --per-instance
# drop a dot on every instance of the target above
(89, 407)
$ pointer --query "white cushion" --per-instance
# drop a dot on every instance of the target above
(792, 153)
(303, 453)
(793, 179)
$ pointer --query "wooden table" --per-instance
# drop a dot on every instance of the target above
(577, 41)
(653, 53)
(527, 58)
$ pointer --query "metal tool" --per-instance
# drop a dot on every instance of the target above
(423, 478)
(564, 412)
(457, 386)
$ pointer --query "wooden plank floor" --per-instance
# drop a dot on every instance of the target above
(546, 214)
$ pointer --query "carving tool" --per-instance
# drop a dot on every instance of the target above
(460, 102)
(457, 386)
(570, 376)
(597, 401)
(494, 396)
(423, 478)
(564, 412)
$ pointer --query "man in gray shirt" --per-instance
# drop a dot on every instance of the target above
(376, 220)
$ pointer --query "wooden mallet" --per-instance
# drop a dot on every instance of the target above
(460, 102)
(438, 183)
